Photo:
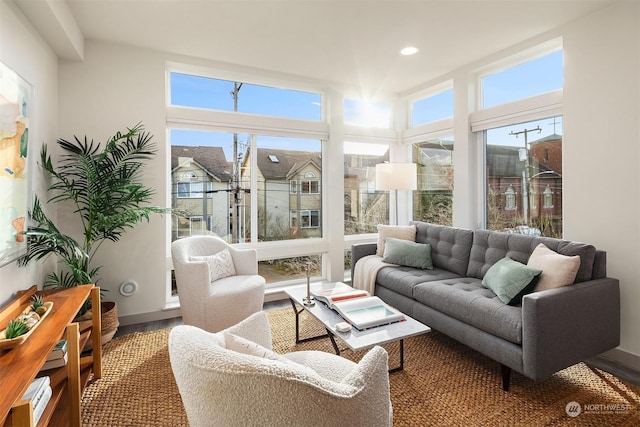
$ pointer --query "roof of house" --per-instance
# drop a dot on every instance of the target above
(211, 159)
(285, 164)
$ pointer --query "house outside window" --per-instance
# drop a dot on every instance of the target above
(310, 187)
(510, 199)
(308, 218)
(532, 196)
(548, 197)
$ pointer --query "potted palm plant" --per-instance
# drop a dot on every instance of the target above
(108, 199)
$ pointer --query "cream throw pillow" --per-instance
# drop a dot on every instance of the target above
(557, 270)
(403, 232)
(241, 345)
(220, 264)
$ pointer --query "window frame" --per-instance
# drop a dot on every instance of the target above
(528, 109)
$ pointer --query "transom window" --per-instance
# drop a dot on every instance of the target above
(534, 77)
(205, 92)
(358, 112)
(432, 108)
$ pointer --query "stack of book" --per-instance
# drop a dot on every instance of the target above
(357, 307)
(39, 392)
(58, 356)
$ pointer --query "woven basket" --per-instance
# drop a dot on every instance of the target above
(109, 322)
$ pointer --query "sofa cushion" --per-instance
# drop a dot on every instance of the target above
(402, 279)
(510, 280)
(491, 246)
(404, 252)
(450, 246)
(404, 232)
(587, 254)
(557, 270)
(467, 300)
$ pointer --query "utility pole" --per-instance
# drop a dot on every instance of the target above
(235, 181)
(524, 155)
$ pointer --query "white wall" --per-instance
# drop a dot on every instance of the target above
(24, 51)
(116, 87)
(601, 147)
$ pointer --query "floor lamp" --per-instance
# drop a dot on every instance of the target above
(396, 176)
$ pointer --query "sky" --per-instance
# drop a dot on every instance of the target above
(531, 78)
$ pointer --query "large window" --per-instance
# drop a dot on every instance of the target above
(433, 201)
(289, 196)
(364, 207)
(524, 177)
(206, 183)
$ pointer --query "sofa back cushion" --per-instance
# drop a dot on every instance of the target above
(491, 246)
(450, 246)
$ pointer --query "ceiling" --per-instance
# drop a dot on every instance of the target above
(355, 43)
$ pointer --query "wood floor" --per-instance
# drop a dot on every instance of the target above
(170, 323)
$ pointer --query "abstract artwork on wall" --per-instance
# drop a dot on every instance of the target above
(15, 105)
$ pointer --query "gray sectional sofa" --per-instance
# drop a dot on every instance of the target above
(551, 330)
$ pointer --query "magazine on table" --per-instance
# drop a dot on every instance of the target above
(367, 312)
(330, 296)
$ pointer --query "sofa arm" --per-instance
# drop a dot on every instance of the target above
(563, 326)
(360, 250)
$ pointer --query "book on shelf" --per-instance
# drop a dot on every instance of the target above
(39, 392)
(38, 410)
(332, 295)
(36, 389)
(367, 312)
(55, 363)
(58, 351)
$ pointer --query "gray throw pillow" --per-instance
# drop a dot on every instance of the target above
(408, 253)
(510, 280)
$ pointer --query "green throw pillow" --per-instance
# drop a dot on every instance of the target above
(405, 252)
(510, 280)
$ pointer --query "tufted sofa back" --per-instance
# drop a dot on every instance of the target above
(450, 246)
(491, 246)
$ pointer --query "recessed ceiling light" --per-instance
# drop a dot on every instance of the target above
(409, 50)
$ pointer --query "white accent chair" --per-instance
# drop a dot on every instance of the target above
(215, 305)
(223, 387)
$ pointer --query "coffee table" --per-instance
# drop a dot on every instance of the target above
(354, 339)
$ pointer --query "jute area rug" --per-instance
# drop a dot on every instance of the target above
(443, 383)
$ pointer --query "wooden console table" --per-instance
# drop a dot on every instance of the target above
(21, 364)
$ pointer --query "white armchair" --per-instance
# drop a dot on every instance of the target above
(224, 387)
(216, 288)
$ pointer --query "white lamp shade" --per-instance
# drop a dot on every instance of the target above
(396, 176)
